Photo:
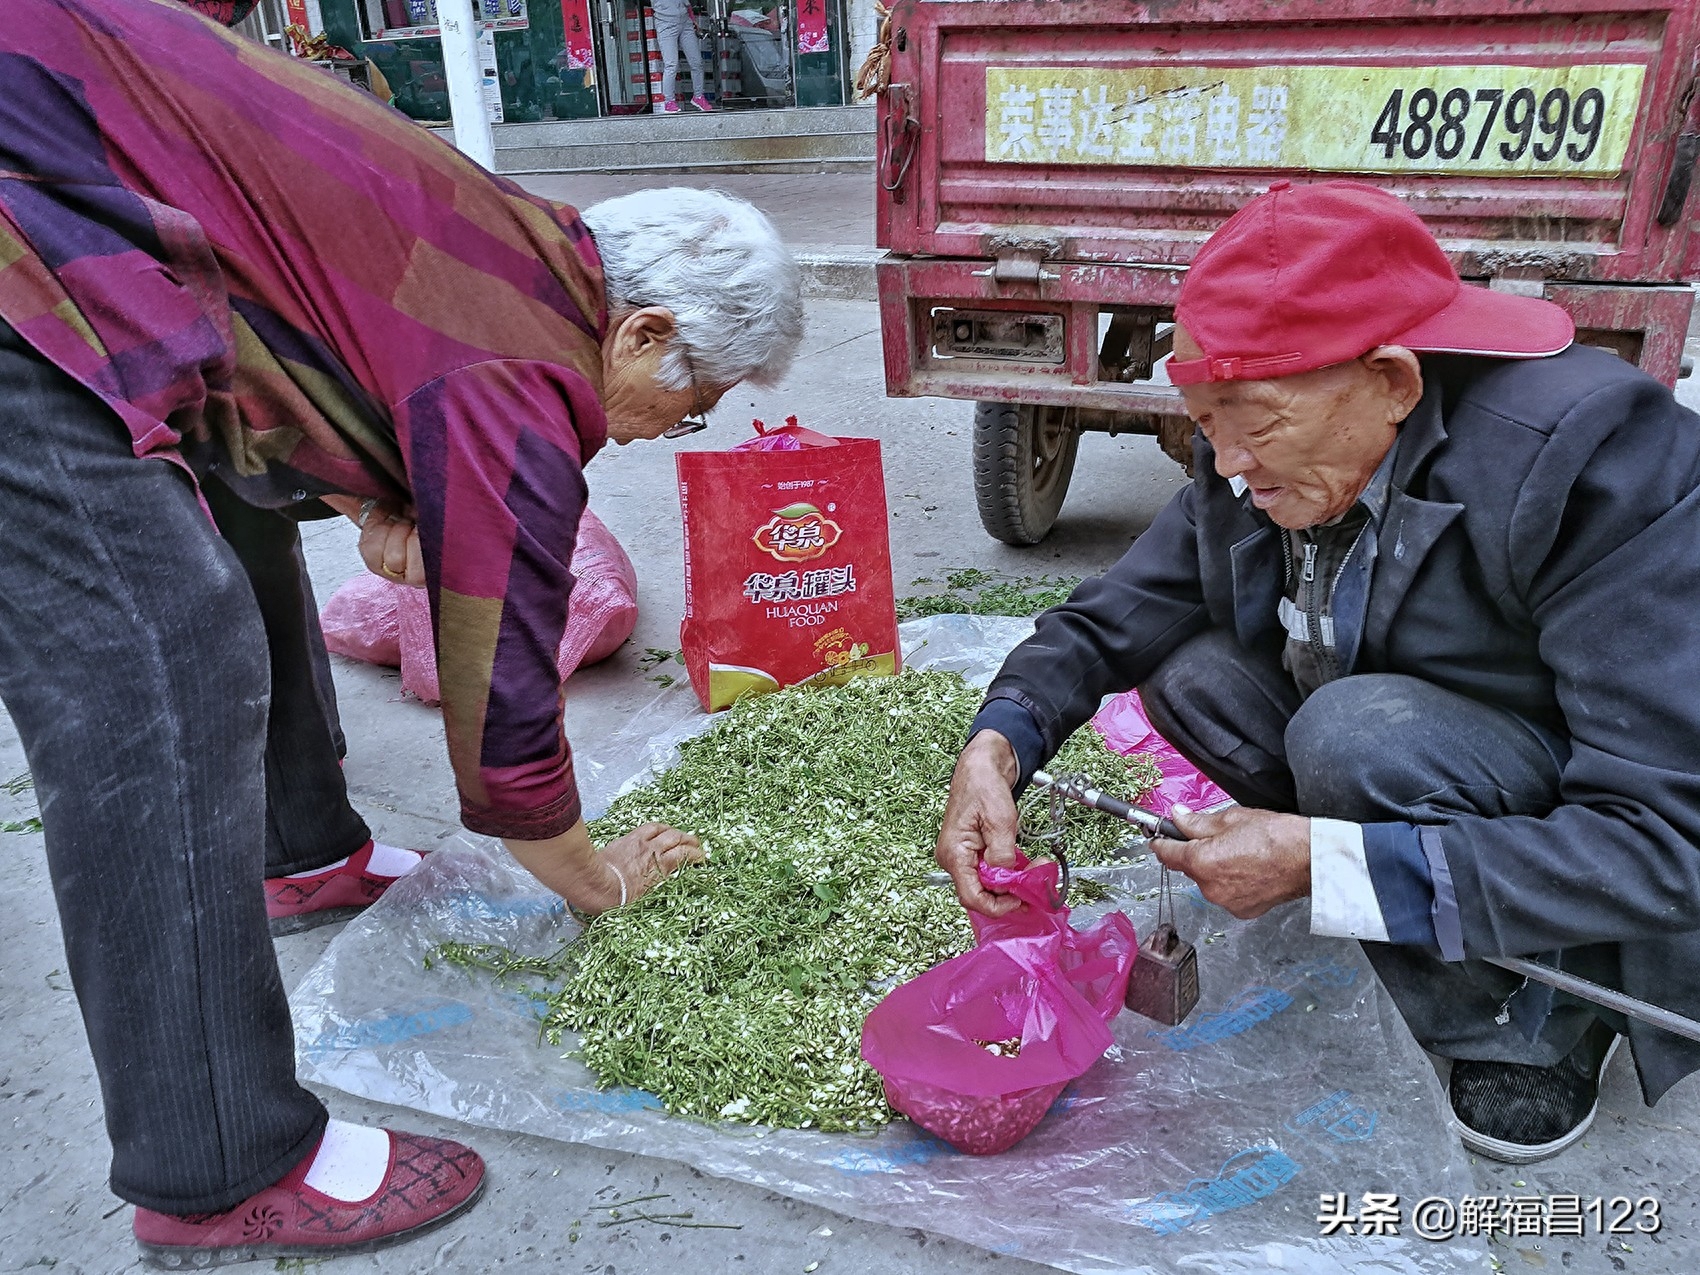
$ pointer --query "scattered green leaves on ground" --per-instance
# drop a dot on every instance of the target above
(624, 1213)
(737, 989)
(653, 658)
(17, 786)
(971, 591)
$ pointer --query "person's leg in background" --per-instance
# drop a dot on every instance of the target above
(693, 55)
(133, 663)
(668, 26)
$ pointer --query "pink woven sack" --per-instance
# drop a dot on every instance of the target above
(359, 620)
(382, 622)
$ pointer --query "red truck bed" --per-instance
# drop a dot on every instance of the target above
(1045, 165)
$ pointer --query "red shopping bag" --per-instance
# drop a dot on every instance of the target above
(787, 564)
(978, 1048)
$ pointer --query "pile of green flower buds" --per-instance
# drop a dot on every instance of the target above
(736, 989)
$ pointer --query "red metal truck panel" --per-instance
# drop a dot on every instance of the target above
(1127, 133)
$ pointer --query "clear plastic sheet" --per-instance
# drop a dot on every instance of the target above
(1202, 1147)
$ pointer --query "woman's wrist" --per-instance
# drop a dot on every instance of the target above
(572, 867)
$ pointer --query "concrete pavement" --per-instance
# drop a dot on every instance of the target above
(827, 218)
(811, 211)
(541, 1211)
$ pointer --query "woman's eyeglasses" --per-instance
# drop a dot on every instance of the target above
(697, 419)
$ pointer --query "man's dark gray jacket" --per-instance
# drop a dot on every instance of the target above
(1540, 552)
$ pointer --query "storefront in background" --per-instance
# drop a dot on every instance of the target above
(581, 59)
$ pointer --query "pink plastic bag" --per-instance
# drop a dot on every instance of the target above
(789, 437)
(1126, 729)
(1096, 962)
(382, 622)
(978, 1048)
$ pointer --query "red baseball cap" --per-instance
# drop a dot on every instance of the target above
(1307, 276)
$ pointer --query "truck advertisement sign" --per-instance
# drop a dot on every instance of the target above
(1555, 121)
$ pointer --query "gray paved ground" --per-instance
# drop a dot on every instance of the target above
(56, 1214)
(811, 210)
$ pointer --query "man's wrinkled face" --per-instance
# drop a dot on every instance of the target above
(1306, 445)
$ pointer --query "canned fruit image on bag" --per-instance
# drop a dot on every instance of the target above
(787, 564)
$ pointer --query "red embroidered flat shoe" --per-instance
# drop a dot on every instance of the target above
(301, 903)
(429, 1181)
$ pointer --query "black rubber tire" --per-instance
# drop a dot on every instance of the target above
(1023, 458)
(1174, 436)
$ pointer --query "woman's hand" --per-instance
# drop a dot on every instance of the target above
(648, 855)
(628, 868)
(389, 542)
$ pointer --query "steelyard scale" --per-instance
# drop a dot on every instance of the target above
(1172, 963)
(1163, 984)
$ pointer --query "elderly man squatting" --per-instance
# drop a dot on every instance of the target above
(232, 293)
(1426, 613)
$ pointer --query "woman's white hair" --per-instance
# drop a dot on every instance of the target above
(718, 264)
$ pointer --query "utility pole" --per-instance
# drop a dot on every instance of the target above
(465, 77)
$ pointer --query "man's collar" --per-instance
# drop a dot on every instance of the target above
(1423, 431)
(1374, 496)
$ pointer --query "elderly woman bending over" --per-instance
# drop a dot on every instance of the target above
(700, 295)
(235, 294)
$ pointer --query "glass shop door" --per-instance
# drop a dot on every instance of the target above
(747, 51)
(752, 48)
(625, 49)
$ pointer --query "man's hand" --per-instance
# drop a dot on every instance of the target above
(980, 821)
(1246, 861)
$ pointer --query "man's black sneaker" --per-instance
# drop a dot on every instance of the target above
(1519, 1114)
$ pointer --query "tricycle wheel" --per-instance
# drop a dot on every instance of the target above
(1023, 459)
(1174, 435)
